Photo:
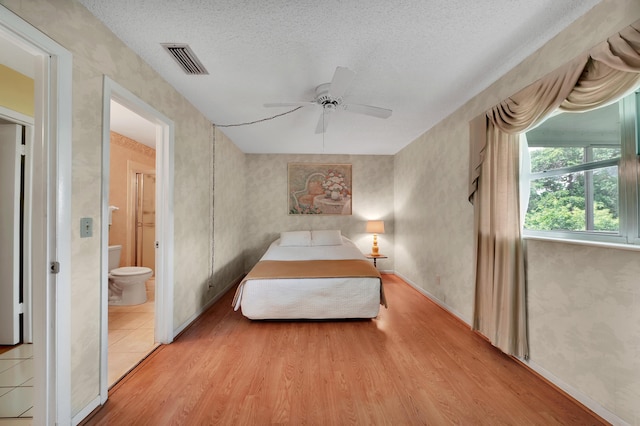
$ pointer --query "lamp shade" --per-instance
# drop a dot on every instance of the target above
(375, 226)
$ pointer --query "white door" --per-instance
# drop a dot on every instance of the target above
(10, 171)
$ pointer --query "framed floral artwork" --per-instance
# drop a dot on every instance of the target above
(319, 188)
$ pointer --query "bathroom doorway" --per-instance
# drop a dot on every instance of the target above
(148, 203)
(132, 208)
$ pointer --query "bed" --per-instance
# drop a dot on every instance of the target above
(311, 275)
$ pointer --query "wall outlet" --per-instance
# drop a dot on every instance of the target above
(86, 227)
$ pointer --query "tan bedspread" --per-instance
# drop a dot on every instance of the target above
(344, 268)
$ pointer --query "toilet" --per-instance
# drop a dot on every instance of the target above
(126, 284)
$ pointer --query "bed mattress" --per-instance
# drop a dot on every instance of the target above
(310, 298)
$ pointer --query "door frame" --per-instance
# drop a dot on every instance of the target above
(164, 218)
(51, 221)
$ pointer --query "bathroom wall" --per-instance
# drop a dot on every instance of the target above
(582, 302)
(124, 154)
(266, 202)
(97, 52)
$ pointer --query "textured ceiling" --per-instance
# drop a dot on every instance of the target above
(421, 58)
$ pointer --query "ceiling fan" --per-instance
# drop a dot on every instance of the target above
(329, 97)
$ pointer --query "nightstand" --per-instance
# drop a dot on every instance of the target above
(375, 257)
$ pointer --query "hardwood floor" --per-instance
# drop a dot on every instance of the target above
(414, 364)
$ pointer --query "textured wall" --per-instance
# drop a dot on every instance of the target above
(436, 239)
(434, 220)
(97, 52)
(267, 209)
(584, 320)
(229, 212)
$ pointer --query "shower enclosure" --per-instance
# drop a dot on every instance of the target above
(145, 220)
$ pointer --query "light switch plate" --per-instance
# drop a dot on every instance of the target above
(86, 227)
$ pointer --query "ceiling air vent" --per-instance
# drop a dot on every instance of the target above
(185, 57)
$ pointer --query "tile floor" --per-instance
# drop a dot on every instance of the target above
(131, 335)
(16, 382)
(131, 339)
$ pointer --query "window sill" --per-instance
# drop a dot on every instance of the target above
(618, 246)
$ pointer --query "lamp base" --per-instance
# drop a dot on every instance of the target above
(374, 248)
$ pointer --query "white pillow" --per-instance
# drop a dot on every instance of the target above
(295, 238)
(326, 238)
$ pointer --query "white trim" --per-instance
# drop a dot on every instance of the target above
(164, 219)
(434, 299)
(210, 303)
(88, 409)
(16, 116)
(630, 247)
(60, 103)
(104, 246)
(52, 226)
(28, 236)
(577, 395)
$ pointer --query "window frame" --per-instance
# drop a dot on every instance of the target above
(628, 181)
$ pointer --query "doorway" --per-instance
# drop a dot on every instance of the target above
(16, 341)
(132, 237)
(50, 223)
(159, 244)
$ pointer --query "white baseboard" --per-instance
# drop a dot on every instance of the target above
(434, 299)
(193, 317)
(577, 395)
(569, 390)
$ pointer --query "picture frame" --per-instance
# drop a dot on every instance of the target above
(319, 189)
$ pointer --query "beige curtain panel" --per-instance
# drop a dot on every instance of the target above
(500, 299)
(603, 75)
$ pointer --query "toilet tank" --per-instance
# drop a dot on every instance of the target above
(114, 256)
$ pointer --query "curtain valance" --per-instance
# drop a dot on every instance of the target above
(606, 72)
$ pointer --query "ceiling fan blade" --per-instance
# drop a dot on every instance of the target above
(368, 110)
(288, 104)
(323, 121)
(342, 79)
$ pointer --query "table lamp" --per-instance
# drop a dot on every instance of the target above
(375, 227)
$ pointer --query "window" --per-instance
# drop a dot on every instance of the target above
(580, 174)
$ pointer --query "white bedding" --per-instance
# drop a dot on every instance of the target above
(311, 298)
(347, 250)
